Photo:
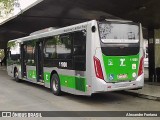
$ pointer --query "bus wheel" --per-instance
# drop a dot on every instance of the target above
(55, 85)
(16, 75)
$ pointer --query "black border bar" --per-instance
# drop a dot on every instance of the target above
(79, 113)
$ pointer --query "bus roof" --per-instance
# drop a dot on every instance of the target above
(52, 31)
(117, 20)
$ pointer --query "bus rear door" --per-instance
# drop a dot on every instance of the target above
(39, 61)
(23, 60)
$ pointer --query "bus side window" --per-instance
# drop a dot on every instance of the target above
(14, 52)
(30, 50)
(49, 51)
(50, 48)
(79, 50)
(8, 53)
(64, 47)
(25, 52)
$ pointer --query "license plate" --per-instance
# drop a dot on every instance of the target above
(122, 76)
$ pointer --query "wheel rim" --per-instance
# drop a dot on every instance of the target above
(55, 84)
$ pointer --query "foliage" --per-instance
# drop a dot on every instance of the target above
(32, 43)
(7, 6)
(11, 44)
(1, 53)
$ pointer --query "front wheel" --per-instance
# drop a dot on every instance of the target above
(55, 85)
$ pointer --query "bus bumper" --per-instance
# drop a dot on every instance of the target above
(102, 86)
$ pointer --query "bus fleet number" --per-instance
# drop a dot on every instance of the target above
(63, 64)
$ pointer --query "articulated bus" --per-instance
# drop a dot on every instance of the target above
(82, 59)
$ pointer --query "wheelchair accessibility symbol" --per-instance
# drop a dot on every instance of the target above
(111, 76)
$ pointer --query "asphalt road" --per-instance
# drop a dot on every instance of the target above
(27, 96)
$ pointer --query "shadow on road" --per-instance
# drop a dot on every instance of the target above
(107, 97)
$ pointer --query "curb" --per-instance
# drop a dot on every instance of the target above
(141, 95)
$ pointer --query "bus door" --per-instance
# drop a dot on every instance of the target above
(39, 61)
(23, 60)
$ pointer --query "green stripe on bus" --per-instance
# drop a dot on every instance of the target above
(78, 83)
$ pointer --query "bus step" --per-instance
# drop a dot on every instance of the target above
(40, 83)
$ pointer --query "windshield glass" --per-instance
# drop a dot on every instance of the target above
(119, 33)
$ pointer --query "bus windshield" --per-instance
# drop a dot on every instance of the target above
(119, 32)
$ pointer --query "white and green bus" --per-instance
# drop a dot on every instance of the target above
(86, 58)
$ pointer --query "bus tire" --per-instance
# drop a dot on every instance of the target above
(16, 78)
(55, 85)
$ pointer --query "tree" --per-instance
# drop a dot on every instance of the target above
(1, 53)
(11, 44)
(7, 7)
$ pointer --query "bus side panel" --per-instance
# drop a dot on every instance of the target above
(73, 77)
(91, 43)
(68, 80)
(10, 70)
(95, 42)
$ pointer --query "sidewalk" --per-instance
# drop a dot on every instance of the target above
(149, 91)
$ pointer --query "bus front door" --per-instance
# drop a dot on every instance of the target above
(39, 61)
